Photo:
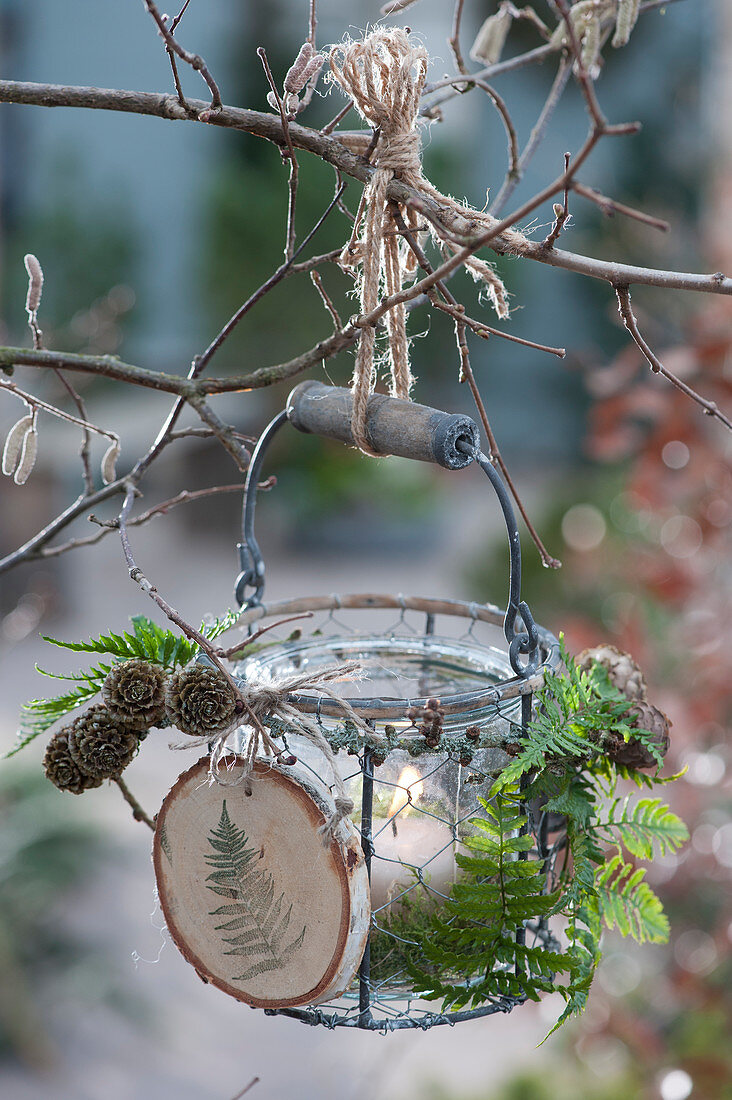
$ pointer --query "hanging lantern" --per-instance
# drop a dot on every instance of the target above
(388, 832)
(444, 689)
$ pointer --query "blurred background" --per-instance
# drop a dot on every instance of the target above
(150, 235)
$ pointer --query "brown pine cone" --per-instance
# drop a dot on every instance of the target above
(62, 769)
(134, 692)
(622, 670)
(634, 754)
(101, 746)
(200, 701)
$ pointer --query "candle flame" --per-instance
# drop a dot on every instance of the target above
(409, 790)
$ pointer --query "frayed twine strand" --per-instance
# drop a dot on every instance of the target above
(384, 74)
(264, 702)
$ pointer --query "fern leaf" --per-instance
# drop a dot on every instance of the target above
(259, 924)
(220, 625)
(629, 904)
(647, 823)
(38, 715)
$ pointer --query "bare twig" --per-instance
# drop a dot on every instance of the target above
(203, 360)
(330, 126)
(561, 211)
(84, 454)
(454, 39)
(200, 362)
(178, 17)
(36, 403)
(289, 154)
(137, 811)
(184, 497)
(193, 59)
(81, 505)
(710, 408)
(500, 104)
(531, 57)
(254, 1081)
(312, 24)
(316, 261)
(171, 56)
(223, 432)
(583, 77)
(240, 647)
(494, 453)
(137, 575)
(485, 331)
(535, 137)
(318, 284)
(466, 374)
(610, 207)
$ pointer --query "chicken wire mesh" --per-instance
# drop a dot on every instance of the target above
(443, 703)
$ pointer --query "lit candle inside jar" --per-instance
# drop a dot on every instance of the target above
(411, 833)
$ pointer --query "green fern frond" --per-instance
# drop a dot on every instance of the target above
(577, 710)
(474, 952)
(643, 825)
(148, 641)
(220, 625)
(628, 903)
(39, 715)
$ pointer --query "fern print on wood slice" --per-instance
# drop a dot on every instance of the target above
(252, 897)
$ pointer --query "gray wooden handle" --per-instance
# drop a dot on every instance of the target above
(394, 427)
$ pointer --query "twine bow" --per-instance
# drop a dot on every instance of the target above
(266, 701)
(384, 75)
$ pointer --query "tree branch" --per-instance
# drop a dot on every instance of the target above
(626, 312)
(328, 148)
(184, 497)
(610, 207)
(137, 575)
(535, 137)
(137, 811)
(193, 59)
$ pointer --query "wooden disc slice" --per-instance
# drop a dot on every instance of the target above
(251, 896)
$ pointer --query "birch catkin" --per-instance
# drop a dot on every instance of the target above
(14, 444)
(295, 80)
(109, 463)
(35, 283)
(626, 21)
(28, 457)
(491, 38)
(591, 40)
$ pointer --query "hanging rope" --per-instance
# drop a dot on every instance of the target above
(384, 75)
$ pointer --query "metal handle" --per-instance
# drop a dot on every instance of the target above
(312, 411)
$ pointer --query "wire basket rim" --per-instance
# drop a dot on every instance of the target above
(375, 708)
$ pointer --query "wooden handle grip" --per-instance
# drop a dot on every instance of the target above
(394, 427)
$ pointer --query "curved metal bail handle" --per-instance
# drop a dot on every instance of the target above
(525, 641)
(251, 562)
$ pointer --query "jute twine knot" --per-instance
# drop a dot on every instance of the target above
(384, 75)
(264, 702)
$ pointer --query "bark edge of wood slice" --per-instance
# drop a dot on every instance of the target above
(251, 896)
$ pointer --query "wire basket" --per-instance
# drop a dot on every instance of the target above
(447, 692)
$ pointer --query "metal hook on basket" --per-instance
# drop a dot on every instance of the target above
(251, 562)
(525, 642)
